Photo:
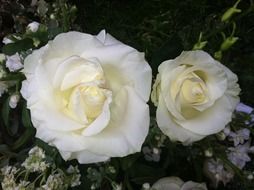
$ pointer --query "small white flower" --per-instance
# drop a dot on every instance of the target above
(75, 179)
(72, 169)
(2, 57)
(240, 136)
(13, 63)
(8, 173)
(7, 170)
(7, 40)
(33, 26)
(239, 155)
(250, 177)
(14, 99)
(146, 186)
(151, 154)
(22, 185)
(54, 182)
(116, 186)
(208, 153)
(35, 161)
(215, 170)
(226, 131)
(244, 108)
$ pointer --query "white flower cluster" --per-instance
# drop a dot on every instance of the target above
(215, 170)
(35, 161)
(55, 182)
(75, 175)
(8, 182)
(58, 179)
(239, 155)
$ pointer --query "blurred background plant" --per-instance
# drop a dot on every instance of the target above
(161, 29)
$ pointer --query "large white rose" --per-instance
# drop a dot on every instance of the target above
(175, 183)
(87, 96)
(195, 95)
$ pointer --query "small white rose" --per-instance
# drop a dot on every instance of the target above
(87, 96)
(33, 26)
(13, 63)
(196, 96)
(175, 183)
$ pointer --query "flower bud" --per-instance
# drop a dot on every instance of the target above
(221, 136)
(230, 12)
(33, 26)
(146, 186)
(228, 42)
(208, 153)
(14, 99)
(199, 45)
(218, 55)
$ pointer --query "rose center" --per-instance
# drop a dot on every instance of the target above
(93, 99)
(193, 91)
(81, 89)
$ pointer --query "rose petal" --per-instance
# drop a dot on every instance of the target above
(168, 183)
(170, 128)
(101, 121)
(83, 156)
(132, 69)
(127, 129)
(107, 39)
(212, 120)
(193, 185)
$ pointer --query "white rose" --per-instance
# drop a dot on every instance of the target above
(87, 96)
(195, 95)
(175, 183)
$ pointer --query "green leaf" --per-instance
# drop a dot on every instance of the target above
(23, 139)
(26, 119)
(13, 76)
(53, 31)
(21, 45)
(3, 148)
(6, 112)
(141, 173)
(128, 161)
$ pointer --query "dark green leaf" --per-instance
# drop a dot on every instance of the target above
(6, 112)
(52, 32)
(128, 161)
(23, 139)
(141, 173)
(26, 119)
(13, 76)
(3, 148)
(21, 45)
